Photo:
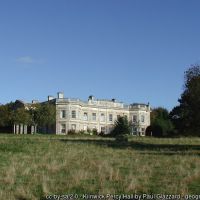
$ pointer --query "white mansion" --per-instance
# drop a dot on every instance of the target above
(75, 114)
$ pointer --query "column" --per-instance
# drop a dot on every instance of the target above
(35, 129)
(25, 129)
(17, 128)
(32, 129)
(21, 128)
(14, 131)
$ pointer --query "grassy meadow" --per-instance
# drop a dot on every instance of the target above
(32, 166)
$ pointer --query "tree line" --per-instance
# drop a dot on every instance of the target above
(183, 119)
(40, 114)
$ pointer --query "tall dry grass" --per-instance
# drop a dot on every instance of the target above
(34, 166)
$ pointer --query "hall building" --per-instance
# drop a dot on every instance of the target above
(100, 114)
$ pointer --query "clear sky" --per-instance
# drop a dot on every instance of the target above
(131, 50)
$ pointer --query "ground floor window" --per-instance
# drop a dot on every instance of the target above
(85, 127)
(110, 129)
(73, 127)
(103, 129)
(63, 128)
(134, 130)
(142, 131)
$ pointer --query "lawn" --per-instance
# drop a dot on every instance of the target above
(33, 166)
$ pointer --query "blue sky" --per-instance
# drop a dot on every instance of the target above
(131, 50)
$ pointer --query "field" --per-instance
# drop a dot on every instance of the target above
(33, 166)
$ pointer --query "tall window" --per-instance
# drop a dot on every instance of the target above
(134, 130)
(73, 114)
(63, 128)
(73, 127)
(85, 116)
(142, 118)
(134, 118)
(85, 127)
(103, 129)
(94, 117)
(142, 131)
(102, 117)
(110, 117)
(62, 113)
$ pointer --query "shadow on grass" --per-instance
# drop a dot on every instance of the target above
(143, 148)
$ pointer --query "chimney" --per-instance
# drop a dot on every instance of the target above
(50, 98)
(60, 95)
(91, 97)
(148, 106)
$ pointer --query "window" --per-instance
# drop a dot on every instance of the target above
(110, 117)
(85, 116)
(103, 129)
(73, 114)
(63, 128)
(102, 117)
(62, 113)
(110, 128)
(134, 118)
(94, 130)
(94, 116)
(142, 118)
(85, 127)
(134, 130)
(142, 131)
(73, 127)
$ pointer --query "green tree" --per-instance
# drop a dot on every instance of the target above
(44, 115)
(5, 115)
(186, 116)
(121, 126)
(21, 116)
(161, 124)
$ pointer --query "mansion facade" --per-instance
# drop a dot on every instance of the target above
(78, 115)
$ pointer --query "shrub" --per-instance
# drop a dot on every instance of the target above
(71, 132)
(94, 131)
(81, 132)
(89, 130)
